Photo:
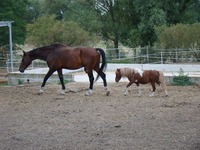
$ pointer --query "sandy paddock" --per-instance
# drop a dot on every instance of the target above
(77, 122)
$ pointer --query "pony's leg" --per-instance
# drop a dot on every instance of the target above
(91, 79)
(154, 89)
(103, 76)
(139, 90)
(127, 87)
(126, 91)
(49, 73)
(61, 81)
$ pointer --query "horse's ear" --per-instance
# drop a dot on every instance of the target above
(24, 52)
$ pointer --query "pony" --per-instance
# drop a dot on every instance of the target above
(59, 56)
(138, 76)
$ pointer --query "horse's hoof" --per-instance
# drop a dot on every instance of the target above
(62, 92)
(88, 93)
(67, 91)
(40, 92)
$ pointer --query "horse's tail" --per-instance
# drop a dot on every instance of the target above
(104, 62)
(162, 81)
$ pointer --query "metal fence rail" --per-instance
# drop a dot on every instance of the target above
(128, 55)
(159, 56)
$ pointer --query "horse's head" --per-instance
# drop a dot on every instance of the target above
(26, 61)
(118, 75)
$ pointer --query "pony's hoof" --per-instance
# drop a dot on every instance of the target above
(151, 95)
(125, 94)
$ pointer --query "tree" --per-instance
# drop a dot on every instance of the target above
(47, 30)
(56, 7)
(181, 11)
(13, 11)
(103, 21)
(35, 8)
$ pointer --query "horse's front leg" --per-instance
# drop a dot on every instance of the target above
(49, 73)
(91, 79)
(154, 89)
(60, 74)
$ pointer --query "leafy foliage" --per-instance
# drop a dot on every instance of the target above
(182, 79)
(13, 11)
(180, 36)
(128, 22)
(47, 30)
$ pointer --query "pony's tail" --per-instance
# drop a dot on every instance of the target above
(162, 81)
(104, 62)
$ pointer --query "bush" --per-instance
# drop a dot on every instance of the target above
(182, 79)
(46, 30)
(179, 36)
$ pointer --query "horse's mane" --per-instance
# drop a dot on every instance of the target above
(45, 48)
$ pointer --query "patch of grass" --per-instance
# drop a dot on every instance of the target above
(182, 79)
(20, 82)
(3, 84)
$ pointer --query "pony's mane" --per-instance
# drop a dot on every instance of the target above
(125, 72)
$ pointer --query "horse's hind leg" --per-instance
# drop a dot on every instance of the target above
(103, 76)
(60, 74)
(49, 73)
(91, 79)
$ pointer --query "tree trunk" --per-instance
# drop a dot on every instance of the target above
(116, 44)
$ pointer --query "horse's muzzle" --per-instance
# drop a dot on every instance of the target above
(21, 70)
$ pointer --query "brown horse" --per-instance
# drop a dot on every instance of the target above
(138, 76)
(59, 56)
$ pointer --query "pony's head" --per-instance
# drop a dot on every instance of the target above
(118, 75)
(26, 61)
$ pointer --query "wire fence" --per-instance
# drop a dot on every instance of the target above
(149, 55)
(124, 55)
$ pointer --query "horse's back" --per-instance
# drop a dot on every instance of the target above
(73, 57)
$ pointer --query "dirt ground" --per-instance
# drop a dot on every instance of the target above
(98, 122)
